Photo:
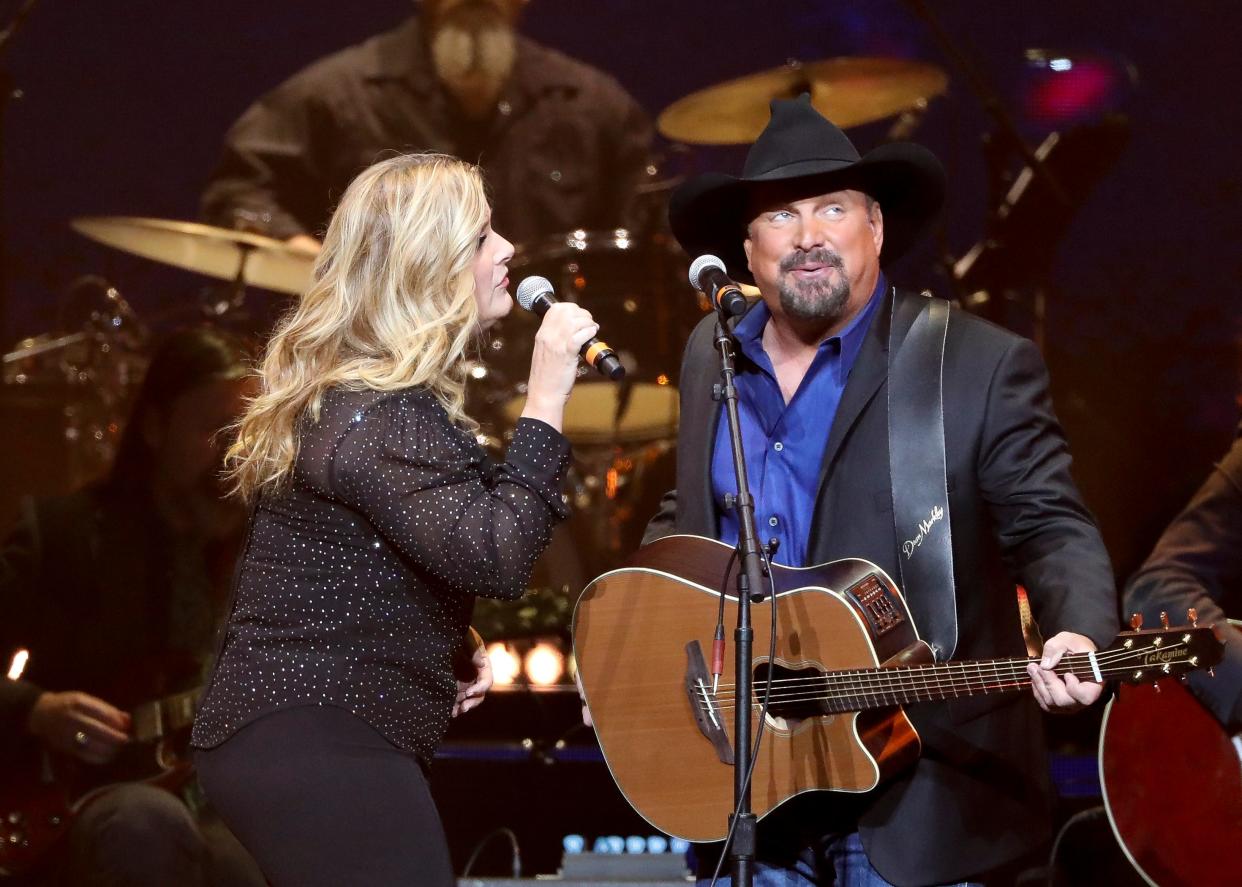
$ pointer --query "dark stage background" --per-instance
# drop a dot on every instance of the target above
(124, 102)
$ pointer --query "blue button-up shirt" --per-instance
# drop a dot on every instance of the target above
(784, 443)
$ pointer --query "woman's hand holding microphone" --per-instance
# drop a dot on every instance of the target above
(566, 327)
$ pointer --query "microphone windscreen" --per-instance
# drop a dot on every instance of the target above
(701, 264)
(530, 289)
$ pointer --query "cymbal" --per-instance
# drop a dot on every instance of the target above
(849, 91)
(215, 252)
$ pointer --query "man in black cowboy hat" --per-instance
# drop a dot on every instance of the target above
(810, 222)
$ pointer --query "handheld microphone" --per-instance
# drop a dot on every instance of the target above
(535, 294)
(707, 275)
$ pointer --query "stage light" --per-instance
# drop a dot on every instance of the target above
(544, 665)
(18, 665)
(505, 664)
(1059, 89)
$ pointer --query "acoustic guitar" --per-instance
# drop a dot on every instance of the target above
(847, 658)
(43, 792)
(1172, 782)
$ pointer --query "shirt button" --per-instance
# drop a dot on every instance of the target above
(778, 446)
(772, 521)
(555, 175)
(504, 108)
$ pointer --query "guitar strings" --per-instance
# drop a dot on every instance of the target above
(916, 681)
(906, 681)
(1074, 661)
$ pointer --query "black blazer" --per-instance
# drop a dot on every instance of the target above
(979, 796)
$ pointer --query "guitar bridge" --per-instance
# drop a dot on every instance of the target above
(703, 703)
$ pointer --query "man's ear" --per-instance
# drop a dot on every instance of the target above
(876, 220)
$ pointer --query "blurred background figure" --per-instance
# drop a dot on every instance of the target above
(561, 144)
(114, 593)
(1198, 563)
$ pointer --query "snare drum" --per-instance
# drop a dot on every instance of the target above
(636, 288)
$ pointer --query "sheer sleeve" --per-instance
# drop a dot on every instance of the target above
(431, 492)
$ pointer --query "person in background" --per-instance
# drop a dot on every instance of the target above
(116, 591)
(1198, 563)
(561, 145)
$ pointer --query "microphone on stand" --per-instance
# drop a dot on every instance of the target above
(535, 294)
(707, 275)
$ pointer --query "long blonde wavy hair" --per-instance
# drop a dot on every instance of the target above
(392, 305)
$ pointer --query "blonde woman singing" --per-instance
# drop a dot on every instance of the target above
(377, 519)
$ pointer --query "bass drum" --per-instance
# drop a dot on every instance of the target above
(636, 288)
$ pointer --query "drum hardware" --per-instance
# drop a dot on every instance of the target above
(1005, 275)
(988, 98)
(614, 491)
(238, 257)
(66, 394)
(850, 91)
(634, 286)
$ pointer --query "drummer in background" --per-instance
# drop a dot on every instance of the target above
(561, 144)
(116, 591)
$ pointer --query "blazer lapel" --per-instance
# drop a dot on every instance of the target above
(700, 415)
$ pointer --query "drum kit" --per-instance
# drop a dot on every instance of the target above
(633, 282)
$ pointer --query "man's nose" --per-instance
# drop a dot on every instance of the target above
(810, 235)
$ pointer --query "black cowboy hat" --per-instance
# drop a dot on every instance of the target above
(799, 146)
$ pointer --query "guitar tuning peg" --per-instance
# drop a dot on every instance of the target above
(1136, 621)
(1164, 619)
(1211, 672)
(1193, 615)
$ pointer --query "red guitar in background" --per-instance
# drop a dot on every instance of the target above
(42, 793)
(1172, 783)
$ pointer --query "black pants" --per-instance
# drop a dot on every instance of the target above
(319, 797)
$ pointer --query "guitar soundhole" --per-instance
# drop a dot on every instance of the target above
(797, 694)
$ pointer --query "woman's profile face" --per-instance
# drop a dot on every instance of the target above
(491, 276)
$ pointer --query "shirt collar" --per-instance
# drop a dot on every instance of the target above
(749, 330)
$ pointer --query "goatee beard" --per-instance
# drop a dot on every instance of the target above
(818, 300)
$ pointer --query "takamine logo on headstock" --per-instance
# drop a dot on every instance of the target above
(1144, 656)
(1161, 656)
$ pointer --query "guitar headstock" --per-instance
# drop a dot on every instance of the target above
(1144, 656)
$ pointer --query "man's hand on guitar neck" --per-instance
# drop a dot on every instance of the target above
(1062, 694)
(80, 725)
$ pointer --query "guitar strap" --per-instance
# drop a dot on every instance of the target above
(917, 469)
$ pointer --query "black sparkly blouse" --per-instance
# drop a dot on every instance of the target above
(358, 577)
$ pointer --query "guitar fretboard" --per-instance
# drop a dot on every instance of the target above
(868, 688)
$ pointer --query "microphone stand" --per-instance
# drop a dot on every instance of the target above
(749, 581)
